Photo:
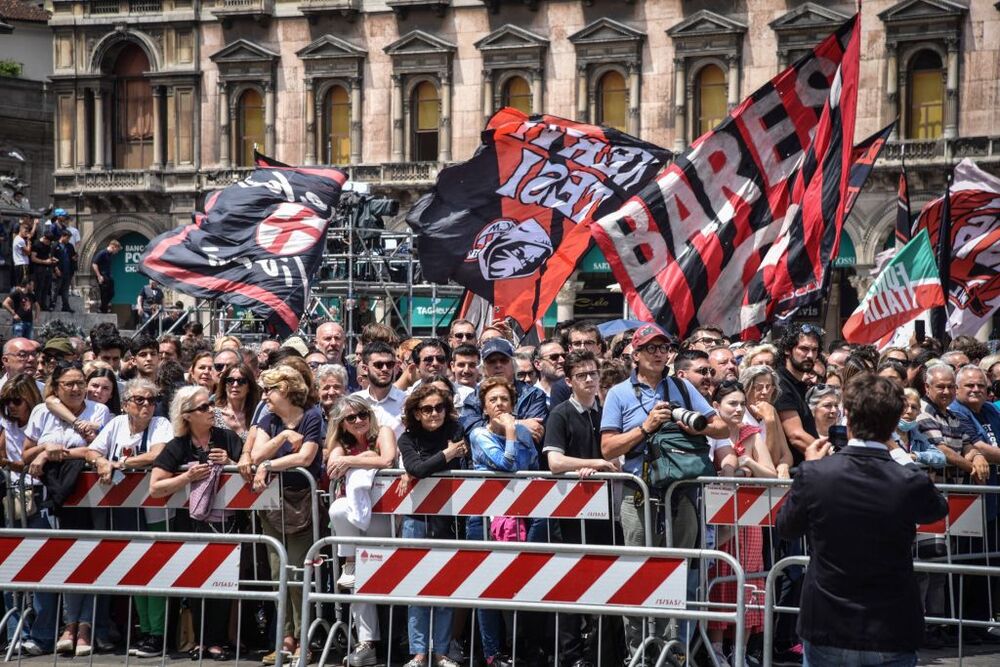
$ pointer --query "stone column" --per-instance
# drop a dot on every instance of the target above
(782, 59)
(537, 79)
(951, 91)
(357, 113)
(733, 80)
(397, 117)
(634, 72)
(892, 86)
(444, 143)
(196, 131)
(269, 113)
(581, 94)
(566, 299)
(98, 129)
(157, 128)
(312, 127)
(680, 97)
(81, 129)
(225, 152)
(487, 95)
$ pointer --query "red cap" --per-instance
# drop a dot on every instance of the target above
(646, 333)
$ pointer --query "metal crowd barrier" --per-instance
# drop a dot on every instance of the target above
(199, 565)
(521, 576)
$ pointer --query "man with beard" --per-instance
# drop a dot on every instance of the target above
(798, 348)
(548, 361)
(378, 361)
(723, 361)
(465, 370)
(693, 365)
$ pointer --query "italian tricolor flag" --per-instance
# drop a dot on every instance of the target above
(907, 286)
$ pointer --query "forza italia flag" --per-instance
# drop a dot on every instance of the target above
(908, 286)
(511, 224)
(257, 244)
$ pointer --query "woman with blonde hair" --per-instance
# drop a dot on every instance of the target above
(227, 343)
(761, 384)
(356, 442)
(764, 354)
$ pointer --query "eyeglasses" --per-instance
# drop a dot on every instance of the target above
(708, 340)
(436, 409)
(239, 382)
(356, 418)
(464, 336)
(656, 348)
(524, 376)
(268, 390)
(204, 407)
(314, 364)
(381, 365)
(703, 370)
(555, 356)
(437, 358)
(144, 400)
(72, 384)
(582, 343)
(586, 375)
(25, 354)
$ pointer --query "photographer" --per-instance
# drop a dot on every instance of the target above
(635, 409)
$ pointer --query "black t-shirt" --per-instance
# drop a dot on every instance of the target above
(151, 296)
(41, 251)
(422, 451)
(313, 429)
(574, 433)
(180, 451)
(792, 396)
(23, 302)
(103, 261)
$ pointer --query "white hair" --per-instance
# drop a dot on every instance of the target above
(939, 368)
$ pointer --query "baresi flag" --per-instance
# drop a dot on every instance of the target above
(974, 284)
(258, 243)
(686, 249)
(908, 286)
(511, 223)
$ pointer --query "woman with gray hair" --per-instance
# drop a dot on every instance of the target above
(356, 441)
(824, 402)
(130, 441)
(761, 383)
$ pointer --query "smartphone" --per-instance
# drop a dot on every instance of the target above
(117, 476)
(920, 331)
(838, 437)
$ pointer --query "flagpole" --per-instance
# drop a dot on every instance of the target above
(939, 315)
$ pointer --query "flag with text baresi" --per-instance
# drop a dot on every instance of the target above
(511, 223)
(726, 234)
(908, 286)
(974, 286)
(257, 244)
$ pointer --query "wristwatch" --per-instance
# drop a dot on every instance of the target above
(267, 465)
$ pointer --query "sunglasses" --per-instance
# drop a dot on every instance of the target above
(237, 381)
(15, 401)
(383, 365)
(314, 364)
(555, 356)
(524, 376)
(204, 407)
(436, 409)
(464, 336)
(220, 367)
(438, 358)
(143, 400)
(704, 370)
(356, 418)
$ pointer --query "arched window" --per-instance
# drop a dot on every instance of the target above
(710, 99)
(925, 117)
(426, 120)
(249, 126)
(517, 94)
(337, 126)
(132, 143)
(612, 101)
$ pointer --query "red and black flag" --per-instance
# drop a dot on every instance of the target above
(511, 223)
(687, 249)
(258, 243)
(904, 224)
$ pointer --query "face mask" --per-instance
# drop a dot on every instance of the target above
(906, 426)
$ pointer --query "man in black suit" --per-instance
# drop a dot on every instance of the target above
(859, 510)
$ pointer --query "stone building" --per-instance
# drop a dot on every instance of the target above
(159, 101)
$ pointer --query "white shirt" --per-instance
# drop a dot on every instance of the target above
(117, 435)
(15, 445)
(47, 429)
(462, 392)
(74, 236)
(392, 403)
(20, 253)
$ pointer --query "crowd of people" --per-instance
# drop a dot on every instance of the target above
(578, 403)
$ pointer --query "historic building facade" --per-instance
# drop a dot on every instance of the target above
(159, 101)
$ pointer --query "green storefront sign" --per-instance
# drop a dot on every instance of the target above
(429, 312)
(847, 256)
(125, 268)
(595, 262)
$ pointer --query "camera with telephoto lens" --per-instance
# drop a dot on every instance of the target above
(693, 420)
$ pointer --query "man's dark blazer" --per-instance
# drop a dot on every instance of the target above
(859, 510)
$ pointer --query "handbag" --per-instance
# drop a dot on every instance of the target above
(295, 514)
(202, 497)
(24, 503)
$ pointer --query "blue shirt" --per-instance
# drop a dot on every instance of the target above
(493, 452)
(629, 403)
(530, 403)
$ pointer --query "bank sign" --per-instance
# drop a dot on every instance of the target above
(125, 268)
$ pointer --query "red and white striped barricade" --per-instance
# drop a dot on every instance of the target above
(526, 497)
(133, 492)
(745, 504)
(965, 517)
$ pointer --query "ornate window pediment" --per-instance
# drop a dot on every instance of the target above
(803, 28)
(606, 40)
(244, 60)
(923, 19)
(332, 56)
(707, 33)
(403, 7)
(512, 46)
(513, 69)
(419, 51)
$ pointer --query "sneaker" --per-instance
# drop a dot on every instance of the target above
(65, 644)
(346, 579)
(499, 661)
(104, 645)
(445, 661)
(791, 657)
(272, 657)
(30, 647)
(414, 662)
(137, 641)
(720, 657)
(151, 647)
(455, 651)
(364, 653)
(83, 649)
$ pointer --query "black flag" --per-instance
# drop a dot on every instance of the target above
(258, 243)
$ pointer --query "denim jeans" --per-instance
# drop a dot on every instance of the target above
(491, 620)
(831, 656)
(21, 329)
(41, 628)
(419, 618)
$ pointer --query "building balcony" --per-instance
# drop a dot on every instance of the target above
(403, 7)
(260, 10)
(109, 181)
(110, 7)
(932, 152)
(387, 174)
(348, 9)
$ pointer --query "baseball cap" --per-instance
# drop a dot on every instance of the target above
(60, 213)
(60, 346)
(646, 333)
(296, 343)
(497, 345)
